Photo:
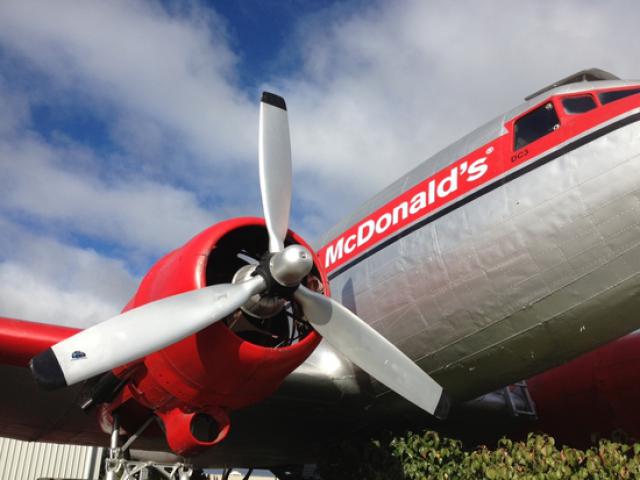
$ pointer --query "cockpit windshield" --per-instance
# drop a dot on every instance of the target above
(535, 124)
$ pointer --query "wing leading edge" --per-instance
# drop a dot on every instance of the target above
(21, 340)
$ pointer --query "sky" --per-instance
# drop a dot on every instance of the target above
(127, 127)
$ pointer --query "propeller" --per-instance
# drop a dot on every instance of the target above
(350, 335)
(148, 328)
(275, 168)
(139, 332)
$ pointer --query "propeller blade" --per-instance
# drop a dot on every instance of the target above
(139, 332)
(369, 350)
(275, 168)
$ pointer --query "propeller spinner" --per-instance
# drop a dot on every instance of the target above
(148, 328)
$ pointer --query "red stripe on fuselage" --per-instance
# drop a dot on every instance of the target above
(456, 181)
(423, 199)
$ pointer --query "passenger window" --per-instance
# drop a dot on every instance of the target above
(580, 104)
(535, 124)
(608, 97)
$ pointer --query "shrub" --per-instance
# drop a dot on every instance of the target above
(429, 456)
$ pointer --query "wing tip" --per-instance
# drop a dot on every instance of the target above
(274, 100)
(46, 370)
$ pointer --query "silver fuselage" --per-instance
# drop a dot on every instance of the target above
(540, 268)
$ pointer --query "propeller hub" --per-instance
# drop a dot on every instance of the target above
(259, 305)
(291, 265)
(283, 272)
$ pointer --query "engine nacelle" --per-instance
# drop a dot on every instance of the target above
(229, 365)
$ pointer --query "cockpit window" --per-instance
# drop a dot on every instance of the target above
(608, 97)
(535, 124)
(580, 104)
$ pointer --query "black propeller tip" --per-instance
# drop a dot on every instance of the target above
(444, 405)
(46, 370)
(273, 99)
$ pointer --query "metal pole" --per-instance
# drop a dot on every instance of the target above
(115, 430)
(135, 436)
(113, 450)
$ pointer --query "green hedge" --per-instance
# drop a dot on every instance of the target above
(429, 456)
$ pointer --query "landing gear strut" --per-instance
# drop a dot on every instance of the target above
(117, 467)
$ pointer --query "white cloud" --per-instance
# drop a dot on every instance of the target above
(45, 280)
(383, 88)
(14, 110)
(134, 213)
(164, 80)
(176, 71)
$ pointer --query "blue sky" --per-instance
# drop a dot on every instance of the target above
(128, 127)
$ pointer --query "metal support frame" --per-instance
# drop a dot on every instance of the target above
(119, 468)
(138, 470)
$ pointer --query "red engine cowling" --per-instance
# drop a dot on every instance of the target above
(193, 383)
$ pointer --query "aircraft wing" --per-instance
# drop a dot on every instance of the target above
(26, 412)
(20, 340)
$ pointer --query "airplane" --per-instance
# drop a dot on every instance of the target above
(512, 251)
